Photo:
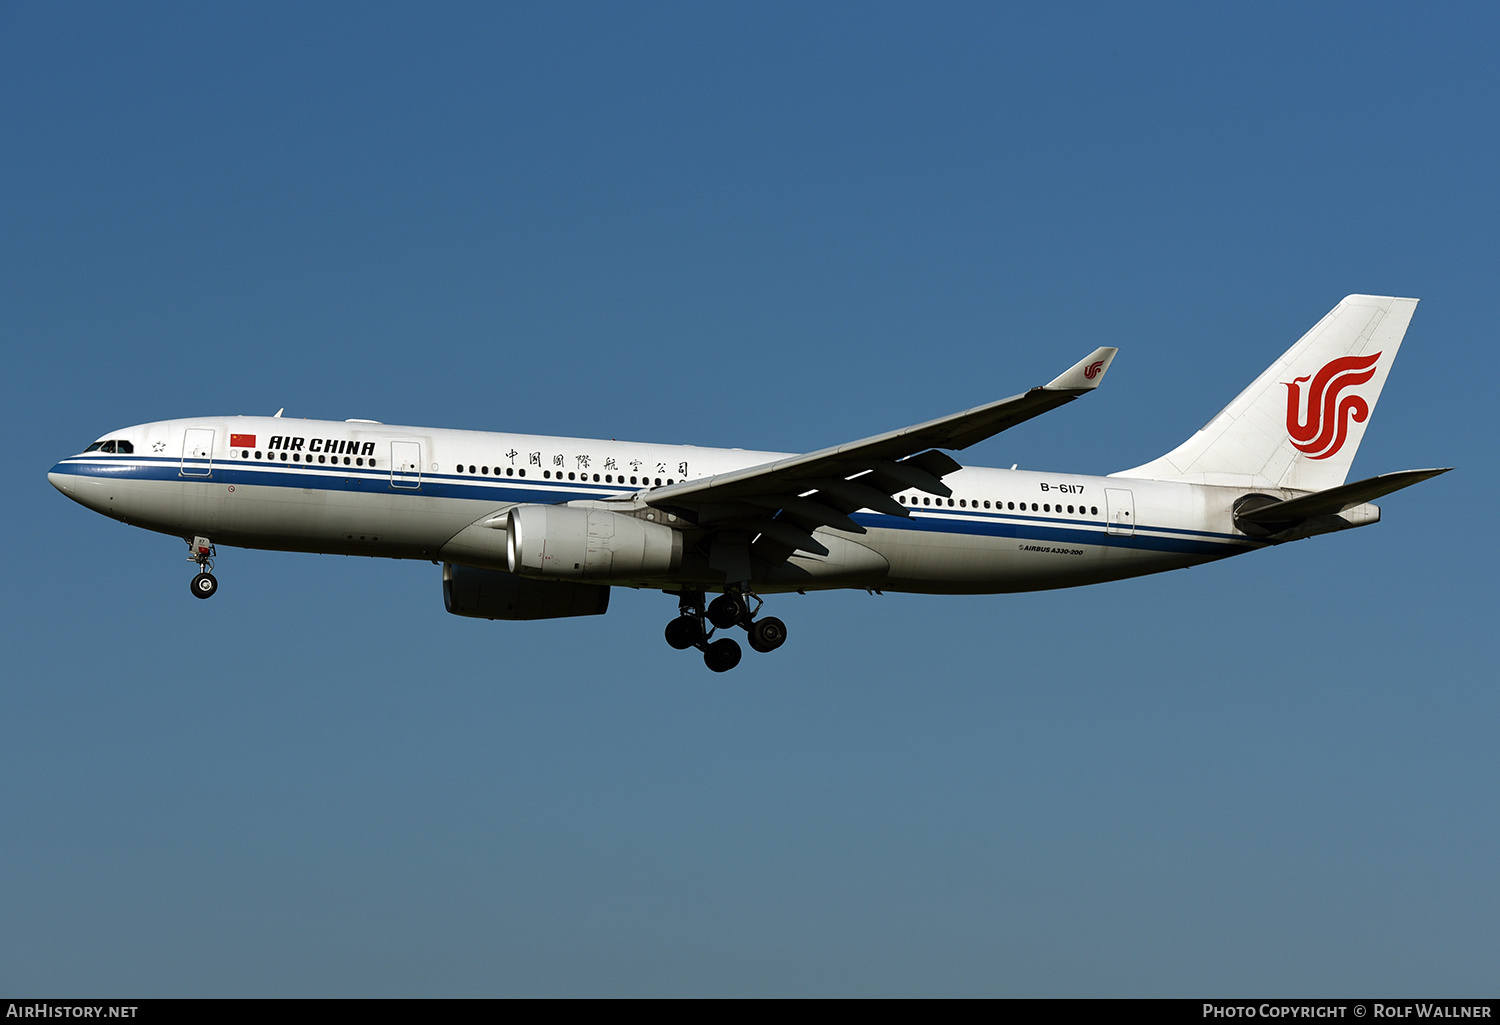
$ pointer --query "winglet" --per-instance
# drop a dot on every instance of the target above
(1086, 374)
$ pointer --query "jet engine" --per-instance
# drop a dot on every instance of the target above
(490, 594)
(561, 542)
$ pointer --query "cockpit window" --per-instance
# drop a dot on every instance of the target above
(112, 445)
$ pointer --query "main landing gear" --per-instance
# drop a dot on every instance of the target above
(201, 551)
(729, 609)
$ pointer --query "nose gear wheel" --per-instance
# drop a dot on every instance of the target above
(205, 584)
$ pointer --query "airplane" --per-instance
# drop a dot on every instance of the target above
(530, 527)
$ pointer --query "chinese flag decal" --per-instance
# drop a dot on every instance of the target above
(242, 441)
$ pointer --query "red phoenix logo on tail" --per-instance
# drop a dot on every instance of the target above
(1319, 424)
(1092, 370)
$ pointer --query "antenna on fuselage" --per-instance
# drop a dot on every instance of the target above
(277, 414)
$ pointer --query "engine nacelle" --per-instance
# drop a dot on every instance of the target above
(560, 542)
(490, 594)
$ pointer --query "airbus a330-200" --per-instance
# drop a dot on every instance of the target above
(531, 527)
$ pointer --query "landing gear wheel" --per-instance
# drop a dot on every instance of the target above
(726, 610)
(204, 585)
(722, 655)
(685, 632)
(767, 634)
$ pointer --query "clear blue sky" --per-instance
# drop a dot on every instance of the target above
(771, 226)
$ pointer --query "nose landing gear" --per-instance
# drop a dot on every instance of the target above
(204, 585)
(201, 551)
(729, 609)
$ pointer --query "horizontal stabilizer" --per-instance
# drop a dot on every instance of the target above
(1336, 500)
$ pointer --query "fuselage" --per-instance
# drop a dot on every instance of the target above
(364, 488)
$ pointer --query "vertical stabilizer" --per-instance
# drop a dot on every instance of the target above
(1300, 423)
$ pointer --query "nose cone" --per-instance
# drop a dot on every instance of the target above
(87, 490)
(63, 481)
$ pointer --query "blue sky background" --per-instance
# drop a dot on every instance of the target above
(770, 226)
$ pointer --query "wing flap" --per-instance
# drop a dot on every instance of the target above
(851, 495)
(812, 512)
(791, 536)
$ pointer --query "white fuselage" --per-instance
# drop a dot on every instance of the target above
(364, 488)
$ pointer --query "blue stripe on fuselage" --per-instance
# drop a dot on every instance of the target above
(512, 490)
(1078, 532)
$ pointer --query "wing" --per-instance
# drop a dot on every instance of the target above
(785, 501)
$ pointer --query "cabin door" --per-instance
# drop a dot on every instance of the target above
(406, 464)
(197, 452)
(1120, 505)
